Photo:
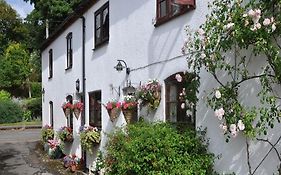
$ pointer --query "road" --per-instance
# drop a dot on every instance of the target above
(16, 152)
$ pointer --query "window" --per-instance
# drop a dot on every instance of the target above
(69, 56)
(50, 63)
(168, 9)
(102, 25)
(177, 110)
(95, 109)
(51, 113)
(69, 99)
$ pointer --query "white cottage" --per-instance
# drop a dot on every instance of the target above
(78, 62)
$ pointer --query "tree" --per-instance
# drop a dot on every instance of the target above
(14, 68)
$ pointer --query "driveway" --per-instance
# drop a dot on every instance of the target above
(16, 152)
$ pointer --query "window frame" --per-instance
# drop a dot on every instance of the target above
(104, 27)
(169, 16)
(181, 113)
(97, 96)
(50, 63)
(69, 51)
(51, 114)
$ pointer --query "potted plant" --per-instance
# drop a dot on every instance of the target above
(130, 108)
(67, 108)
(77, 108)
(47, 133)
(54, 151)
(150, 94)
(72, 162)
(113, 108)
(89, 136)
(65, 134)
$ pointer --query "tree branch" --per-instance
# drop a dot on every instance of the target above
(253, 77)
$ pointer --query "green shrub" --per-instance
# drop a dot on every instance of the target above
(10, 112)
(34, 105)
(157, 149)
(4, 95)
(36, 89)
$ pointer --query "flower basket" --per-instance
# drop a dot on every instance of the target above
(67, 108)
(130, 115)
(72, 162)
(65, 134)
(54, 150)
(76, 113)
(89, 137)
(114, 113)
(47, 133)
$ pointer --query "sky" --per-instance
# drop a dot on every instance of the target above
(21, 7)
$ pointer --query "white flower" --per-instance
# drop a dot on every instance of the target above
(178, 77)
(218, 94)
(183, 105)
(203, 55)
(273, 27)
(229, 25)
(234, 133)
(232, 128)
(223, 127)
(245, 15)
(251, 13)
(272, 19)
(219, 113)
(240, 125)
(201, 32)
(246, 22)
(258, 25)
(266, 22)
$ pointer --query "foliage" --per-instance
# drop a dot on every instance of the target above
(89, 136)
(47, 133)
(36, 89)
(34, 105)
(150, 94)
(129, 102)
(4, 95)
(10, 112)
(14, 67)
(65, 134)
(71, 160)
(27, 115)
(219, 46)
(67, 105)
(145, 148)
(78, 105)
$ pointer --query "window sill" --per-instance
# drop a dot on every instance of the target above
(100, 45)
(49, 78)
(68, 68)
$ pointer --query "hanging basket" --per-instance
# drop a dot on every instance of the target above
(76, 113)
(113, 113)
(131, 115)
(67, 112)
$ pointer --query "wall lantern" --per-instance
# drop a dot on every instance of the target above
(77, 85)
(119, 67)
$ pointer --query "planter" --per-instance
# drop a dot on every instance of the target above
(131, 115)
(113, 113)
(55, 153)
(76, 113)
(73, 168)
(69, 138)
(67, 112)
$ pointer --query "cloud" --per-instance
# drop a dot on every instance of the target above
(21, 7)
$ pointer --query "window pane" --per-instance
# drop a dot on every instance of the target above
(175, 9)
(98, 21)
(95, 109)
(173, 93)
(105, 13)
(163, 8)
(173, 112)
(97, 34)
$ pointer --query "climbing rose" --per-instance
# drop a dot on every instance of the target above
(201, 32)
(266, 22)
(219, 113)
(178, 77)
(218, 94)
(183, 105)
(240, 125)
(273, 27)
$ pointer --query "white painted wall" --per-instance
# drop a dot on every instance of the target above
(134, 39)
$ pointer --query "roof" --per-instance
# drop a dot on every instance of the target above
(78, 12)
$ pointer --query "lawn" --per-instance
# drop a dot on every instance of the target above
(24, 123)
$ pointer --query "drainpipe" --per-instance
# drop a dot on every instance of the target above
(83, 121)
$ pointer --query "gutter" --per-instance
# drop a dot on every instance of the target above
(83, 121)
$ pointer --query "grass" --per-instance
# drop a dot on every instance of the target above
(23, 123)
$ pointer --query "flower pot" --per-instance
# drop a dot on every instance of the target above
(76, 113)
(73, 168)
(67, 112)
(113, 113)
(131, 115)
(69, 138)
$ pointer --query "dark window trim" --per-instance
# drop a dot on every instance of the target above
(50, 64)
(69, 51)
(99, 125)
(103, 28)
(51, 113)
(168, 17)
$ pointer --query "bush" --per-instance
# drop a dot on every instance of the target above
(157, 149)
(10, 112)
(34, 105)
(36, 89)
(4, 95)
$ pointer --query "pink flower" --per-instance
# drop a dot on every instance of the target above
(201, 32)
(232, 128)
(183, 105)
(258, 25)
(219, 113)
(223, 127)
(266, 22)
(178, 77)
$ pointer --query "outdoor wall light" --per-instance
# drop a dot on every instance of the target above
(77, 85)
(119, 67)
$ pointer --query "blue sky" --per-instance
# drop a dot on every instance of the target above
(21, 7)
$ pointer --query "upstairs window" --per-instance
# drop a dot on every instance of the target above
(69, 56)
(168, 9)
(102, 25)
(178, 109)
(50, 63)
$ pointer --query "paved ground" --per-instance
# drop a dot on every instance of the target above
(17, 155)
